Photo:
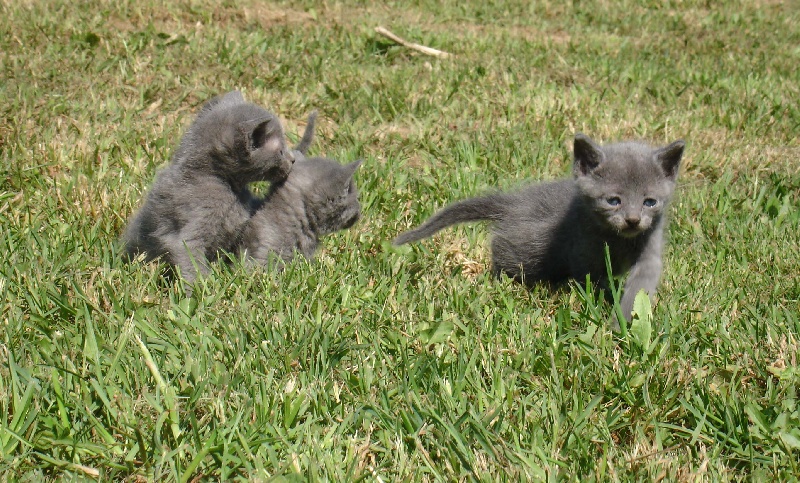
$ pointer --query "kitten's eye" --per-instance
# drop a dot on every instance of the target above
(650, 202)
(614, 201)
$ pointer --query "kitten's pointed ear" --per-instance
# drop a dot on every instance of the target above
(587, 154)
(258, 131)
(670, 158)
(352, 167)
(232, 97)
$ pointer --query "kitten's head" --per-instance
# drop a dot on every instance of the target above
(329, 192)
(627, 185)
(244, 142)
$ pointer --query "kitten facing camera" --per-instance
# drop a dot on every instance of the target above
(199, 204)
(555, 231)
(318, 198)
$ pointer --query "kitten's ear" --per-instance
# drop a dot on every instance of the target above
(587, 154)
(352, 167)
(670, 158)
(258, 131)
(232, 97)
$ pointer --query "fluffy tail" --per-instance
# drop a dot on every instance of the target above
(488, 208)
(308, 134)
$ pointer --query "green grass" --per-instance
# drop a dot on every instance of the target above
(410, 364)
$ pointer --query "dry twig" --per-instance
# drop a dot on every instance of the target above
(411, 45)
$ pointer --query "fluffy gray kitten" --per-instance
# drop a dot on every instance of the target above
(557, 230)
(200, 202)
(319, 197)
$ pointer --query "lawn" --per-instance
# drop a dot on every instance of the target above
(379, 363)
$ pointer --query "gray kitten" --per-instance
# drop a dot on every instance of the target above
(199, 204)
(557, 230)
(319, 197)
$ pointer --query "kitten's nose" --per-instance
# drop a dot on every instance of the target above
(632, 220)
(290, 155)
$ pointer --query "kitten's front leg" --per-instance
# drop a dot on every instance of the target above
(644, 275)
(189, 256)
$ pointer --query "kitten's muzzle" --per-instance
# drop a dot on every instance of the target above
(278, 173)
(351, 221)
(633, 227)
(633, 221)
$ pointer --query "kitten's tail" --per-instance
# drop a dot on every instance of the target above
(486, 208)
(308, 134)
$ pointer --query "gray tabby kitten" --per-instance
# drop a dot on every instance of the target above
(199, 204)
(319, 197)
(557, 230)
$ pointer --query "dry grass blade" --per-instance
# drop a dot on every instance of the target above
(413, 46)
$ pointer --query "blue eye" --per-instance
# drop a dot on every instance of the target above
(650, 202)
(614, 201)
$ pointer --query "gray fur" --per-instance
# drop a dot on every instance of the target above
(557, 230)
(319, 197)
(199, 204)
(300, 151)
